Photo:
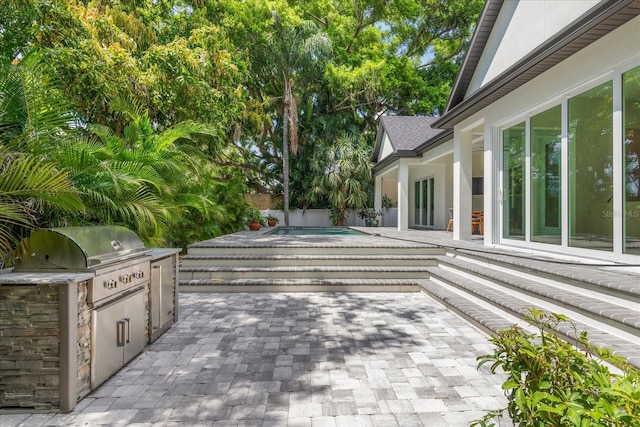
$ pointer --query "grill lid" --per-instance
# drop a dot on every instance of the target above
(78, 248)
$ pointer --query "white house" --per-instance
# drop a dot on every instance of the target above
(541, 133)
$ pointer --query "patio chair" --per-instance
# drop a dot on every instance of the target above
(477, 222)
(450, 225)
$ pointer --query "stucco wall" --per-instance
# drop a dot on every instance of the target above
(520, 27)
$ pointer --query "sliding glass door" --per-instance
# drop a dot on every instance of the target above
(631, 171)
(546, 142)
(513, 182)
(424, 202)
(591, 168)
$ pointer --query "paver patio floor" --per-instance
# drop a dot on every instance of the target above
(299, 359)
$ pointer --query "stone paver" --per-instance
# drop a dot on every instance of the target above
(298, 359)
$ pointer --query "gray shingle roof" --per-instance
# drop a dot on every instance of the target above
(407, 133)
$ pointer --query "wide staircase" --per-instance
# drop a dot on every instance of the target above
(223, 266)
(492, 288)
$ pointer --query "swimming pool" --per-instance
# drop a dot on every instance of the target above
(308, 231)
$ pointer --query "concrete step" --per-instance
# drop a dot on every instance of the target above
(614, 311)
(266, 260)
(619, 280)
(299, 285)
(495, 309)
(304, 248)
(313, 272)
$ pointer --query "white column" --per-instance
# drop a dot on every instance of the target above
(462, 171)
(403, 196)
(490, 196)
(377, 194)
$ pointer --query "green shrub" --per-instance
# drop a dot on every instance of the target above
(554, 383)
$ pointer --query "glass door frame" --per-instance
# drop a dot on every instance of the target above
(427, 206)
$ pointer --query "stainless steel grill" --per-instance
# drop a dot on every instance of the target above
(79, 248)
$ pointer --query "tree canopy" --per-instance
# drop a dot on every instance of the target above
(248, 92)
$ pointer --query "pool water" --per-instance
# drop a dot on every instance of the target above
(308, 231)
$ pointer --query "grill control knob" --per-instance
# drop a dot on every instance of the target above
(111, 284)
(126, 278)
(139, 274)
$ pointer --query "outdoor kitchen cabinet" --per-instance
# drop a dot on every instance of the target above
(76, 307)
(163, 294)
(119, 334)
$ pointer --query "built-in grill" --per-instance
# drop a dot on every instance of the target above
(118, 291)
(79, 304)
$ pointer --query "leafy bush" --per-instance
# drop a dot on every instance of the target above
(554, 383)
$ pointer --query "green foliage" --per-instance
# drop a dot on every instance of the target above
(252, 214)
(369, 213)
(387, 203)
(551, 382)
(27, 186)
(263, 75)
(342, 172)
(34, 120)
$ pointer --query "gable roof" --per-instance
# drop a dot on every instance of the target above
(405, 133)
(410, 136)
(605, 17)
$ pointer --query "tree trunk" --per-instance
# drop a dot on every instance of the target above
(285, 148)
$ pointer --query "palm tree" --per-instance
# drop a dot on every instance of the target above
(289, 49)
(26, 185)
(140, 178)
(343, 175)
(34, 117)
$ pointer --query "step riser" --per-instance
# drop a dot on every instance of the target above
(595, 319)
(305, 263)
(304, 275)
(300, 288)
(380, 251)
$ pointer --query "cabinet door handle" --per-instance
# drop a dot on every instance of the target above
(159, 268)
(128, 339)
(120, 333)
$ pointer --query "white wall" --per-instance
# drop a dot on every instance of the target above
(520, 27)
(595, 64)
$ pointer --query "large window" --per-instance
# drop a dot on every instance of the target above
(546, 139)
(631, 135)
(591, 168)
(513, 168)
(567, 179)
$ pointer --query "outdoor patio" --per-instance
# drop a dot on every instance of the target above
(298, 359)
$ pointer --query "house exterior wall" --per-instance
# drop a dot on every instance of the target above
(387, 148)
(600, 62)
(520, 28)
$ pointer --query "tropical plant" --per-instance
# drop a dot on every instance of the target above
(34, 120)
(140, 178)
(253, 214)
(552, 383)
(290, 49)
(369, 214)
(342, 175)
(27, 186)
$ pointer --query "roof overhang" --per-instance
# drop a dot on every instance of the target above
(389, 160)
(418, 152)
(595, 24)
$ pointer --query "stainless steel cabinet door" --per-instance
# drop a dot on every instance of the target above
(162, 288)
(135, 330)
